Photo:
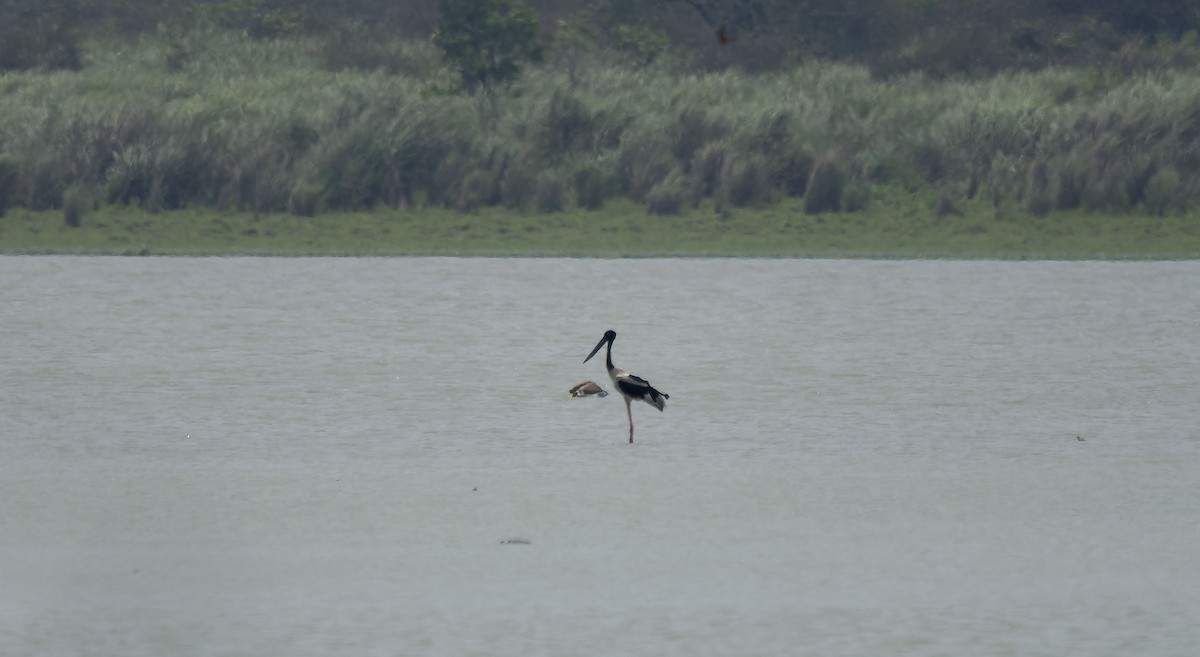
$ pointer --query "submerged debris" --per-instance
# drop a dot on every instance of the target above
(587, 389)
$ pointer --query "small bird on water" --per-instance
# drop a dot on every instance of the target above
(587, 389)
(629, 385)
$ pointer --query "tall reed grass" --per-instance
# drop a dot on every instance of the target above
(218, 120)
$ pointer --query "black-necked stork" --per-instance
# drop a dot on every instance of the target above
(630, 386)
(587, 389)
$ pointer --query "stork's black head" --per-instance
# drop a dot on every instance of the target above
(609, 336)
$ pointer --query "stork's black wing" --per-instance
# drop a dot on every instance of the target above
(636, 387)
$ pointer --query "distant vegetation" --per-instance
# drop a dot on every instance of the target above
(313, 107)
(936, 37)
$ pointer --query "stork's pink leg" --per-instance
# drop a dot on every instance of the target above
(629, 412)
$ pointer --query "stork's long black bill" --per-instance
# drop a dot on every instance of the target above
(597, 349)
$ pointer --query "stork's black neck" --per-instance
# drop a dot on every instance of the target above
(608, 356)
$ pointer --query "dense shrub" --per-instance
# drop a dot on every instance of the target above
(706, 168)
(667, 197)
(305, 199)
(692, 129)
(77, 200)
(593, 184)
(1069, 180)
(518, 183)
(356, 46)
(8, 181)
(644, 159)
(566, 125)
(550, 193)
(825, 188)
(1038, 197)
(856, 198)
(793, 170)
(262, 126)
(1161, 191)
(744, 181)
(478, 188)
(39, 35)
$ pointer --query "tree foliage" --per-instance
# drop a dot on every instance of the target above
(41, 35)
(487, 41)
(258, 18)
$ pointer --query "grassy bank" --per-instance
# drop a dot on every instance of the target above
(213, 142)
(900, 229)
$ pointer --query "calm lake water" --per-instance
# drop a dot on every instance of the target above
(319, 457)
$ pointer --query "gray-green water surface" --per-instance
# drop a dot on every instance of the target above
(379, 457)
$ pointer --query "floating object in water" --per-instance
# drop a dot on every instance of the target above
(515, 541)
(588, 389)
